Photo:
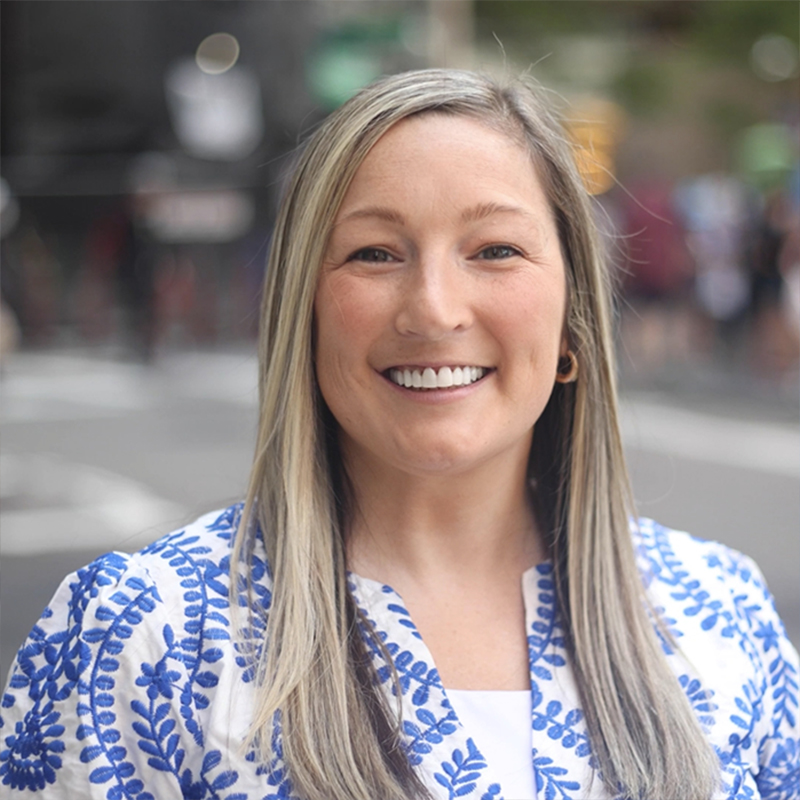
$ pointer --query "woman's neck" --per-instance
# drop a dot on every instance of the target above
(425, 527)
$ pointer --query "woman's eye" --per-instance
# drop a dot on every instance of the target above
(372, 255)
(497, 251)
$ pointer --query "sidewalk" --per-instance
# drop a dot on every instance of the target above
(718, 389)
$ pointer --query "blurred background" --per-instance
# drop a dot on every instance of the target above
(143, 150)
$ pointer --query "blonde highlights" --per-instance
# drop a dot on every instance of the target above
(341, 740)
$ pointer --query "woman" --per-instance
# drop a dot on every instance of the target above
(438, 424)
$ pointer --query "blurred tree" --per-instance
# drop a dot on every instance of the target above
(682, 69)
(642, 88)
(725, 29)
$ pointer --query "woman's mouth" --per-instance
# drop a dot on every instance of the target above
(428, 378)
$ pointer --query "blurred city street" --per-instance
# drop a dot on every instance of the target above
(101, 453)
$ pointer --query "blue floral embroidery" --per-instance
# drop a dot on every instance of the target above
(783, 679)
(781, 776)
(119, 677)
(277, 775)
(547, 646)
(50, 668)
(700, 700)
(550, 780)
(95, 709)
(205, 585)
(433, 731)
(689, 588)
(429, 728)
(459, 775)
(404, 618)
(547, 631)
(762, 640)
(564, 730)
(205, 595)
(32, 754)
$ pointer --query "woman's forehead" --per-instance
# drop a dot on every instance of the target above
(434, 125)
(450, 149)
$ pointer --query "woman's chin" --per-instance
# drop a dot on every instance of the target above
(433, 459)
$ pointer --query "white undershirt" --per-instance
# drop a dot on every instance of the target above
(500, 725)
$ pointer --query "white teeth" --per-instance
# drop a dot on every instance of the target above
(429, 378)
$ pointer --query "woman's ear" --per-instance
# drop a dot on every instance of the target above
(564, 347)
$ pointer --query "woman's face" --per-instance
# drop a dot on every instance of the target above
(443, 271)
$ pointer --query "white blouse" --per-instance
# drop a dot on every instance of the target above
(500, 725)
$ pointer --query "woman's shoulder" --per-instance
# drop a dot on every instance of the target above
(191, 563)
(729, 651)
(126, 596)
(194, 556)
(709, 595)
(188, 565)
(672, 560)
(128, 642)
(714, 601)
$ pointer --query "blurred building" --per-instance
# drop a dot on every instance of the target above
(95, 149)
(144, 144)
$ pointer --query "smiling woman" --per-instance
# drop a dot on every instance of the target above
(434, 588)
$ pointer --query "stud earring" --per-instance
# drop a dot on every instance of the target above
(567, 373)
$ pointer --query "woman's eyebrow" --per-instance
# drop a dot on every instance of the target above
(381, 212)
(483, 210)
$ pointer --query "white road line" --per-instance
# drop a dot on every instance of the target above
(59, 387)
(765, 447)
(227, 377)
(54, 505)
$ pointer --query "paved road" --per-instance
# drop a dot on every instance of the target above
(100, 454)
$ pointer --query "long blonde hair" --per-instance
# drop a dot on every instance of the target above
(340, 739)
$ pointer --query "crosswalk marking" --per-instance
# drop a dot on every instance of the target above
(761, 446)
(50, 504)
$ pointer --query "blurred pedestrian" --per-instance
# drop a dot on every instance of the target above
(714, 210)
(658, 279)
(9, 326)
(773, 342)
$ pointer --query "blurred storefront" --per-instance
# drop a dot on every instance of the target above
(144, 144)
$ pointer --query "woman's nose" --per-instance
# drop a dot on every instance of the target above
(435, 300)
